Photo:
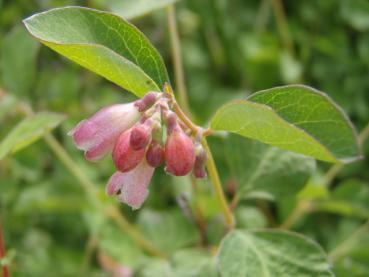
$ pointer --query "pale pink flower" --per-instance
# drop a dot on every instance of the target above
(132, 186)
(98, 134)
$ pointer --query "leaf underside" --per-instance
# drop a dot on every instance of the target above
(103, 43)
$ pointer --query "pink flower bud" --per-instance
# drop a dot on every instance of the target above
(98, 134)
(132, 185)
(179, 153)
(147, 101)
(141, 135)
(124, 156)
(200, 162)
(155, 154)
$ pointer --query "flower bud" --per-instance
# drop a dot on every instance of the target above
(200, 162)
(147, 101)
(141, 135)
(124, 156)
(179, 153)
(155, 154)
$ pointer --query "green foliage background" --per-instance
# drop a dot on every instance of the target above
(230, 49)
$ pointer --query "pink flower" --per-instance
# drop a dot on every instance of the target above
(98, 134)
(132, 185)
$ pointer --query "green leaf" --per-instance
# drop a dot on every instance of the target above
(184, 263)
(295, 118)
(271, 253)
(28, 131)
(258, 168)
(104, 43)
(130, 9)
(18, 61)
(168, 230)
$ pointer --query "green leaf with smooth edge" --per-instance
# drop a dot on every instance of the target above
(104, 43)
(28, 131)
(259, 169)
(269, 253)
(168, 230)
(295, 118)
(130, 9)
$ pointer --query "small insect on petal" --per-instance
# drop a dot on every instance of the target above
(132, 185)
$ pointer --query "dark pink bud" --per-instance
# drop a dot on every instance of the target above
(124, 156)
(155, 154)
(179, 153)
(147, 101)
(141, 135)
(200, 162)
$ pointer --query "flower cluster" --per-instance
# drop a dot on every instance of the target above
(133, 133)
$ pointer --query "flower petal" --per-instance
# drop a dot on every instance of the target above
(133, 185)
(97, 135)
(134, 189)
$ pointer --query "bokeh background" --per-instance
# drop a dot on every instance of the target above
(230, 49)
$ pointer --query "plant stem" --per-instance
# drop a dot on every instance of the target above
(3, 253)
(89, 250)
(302, 207)
(347, 244)
(214, 177)
(282, 26)
(177, 58)
(262, 17)
(89, 187)
(213, 172)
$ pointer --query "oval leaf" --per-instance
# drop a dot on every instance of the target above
(104, 43)
(28, 131)
(271, 253)
(295, 118)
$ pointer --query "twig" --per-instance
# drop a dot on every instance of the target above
(302, 207)
(282, 26)
(177, 58)
(89, 249)
(214, 177)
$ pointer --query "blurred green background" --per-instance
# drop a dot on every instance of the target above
(230, 49)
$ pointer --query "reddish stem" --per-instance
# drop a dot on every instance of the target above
(2, 253)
